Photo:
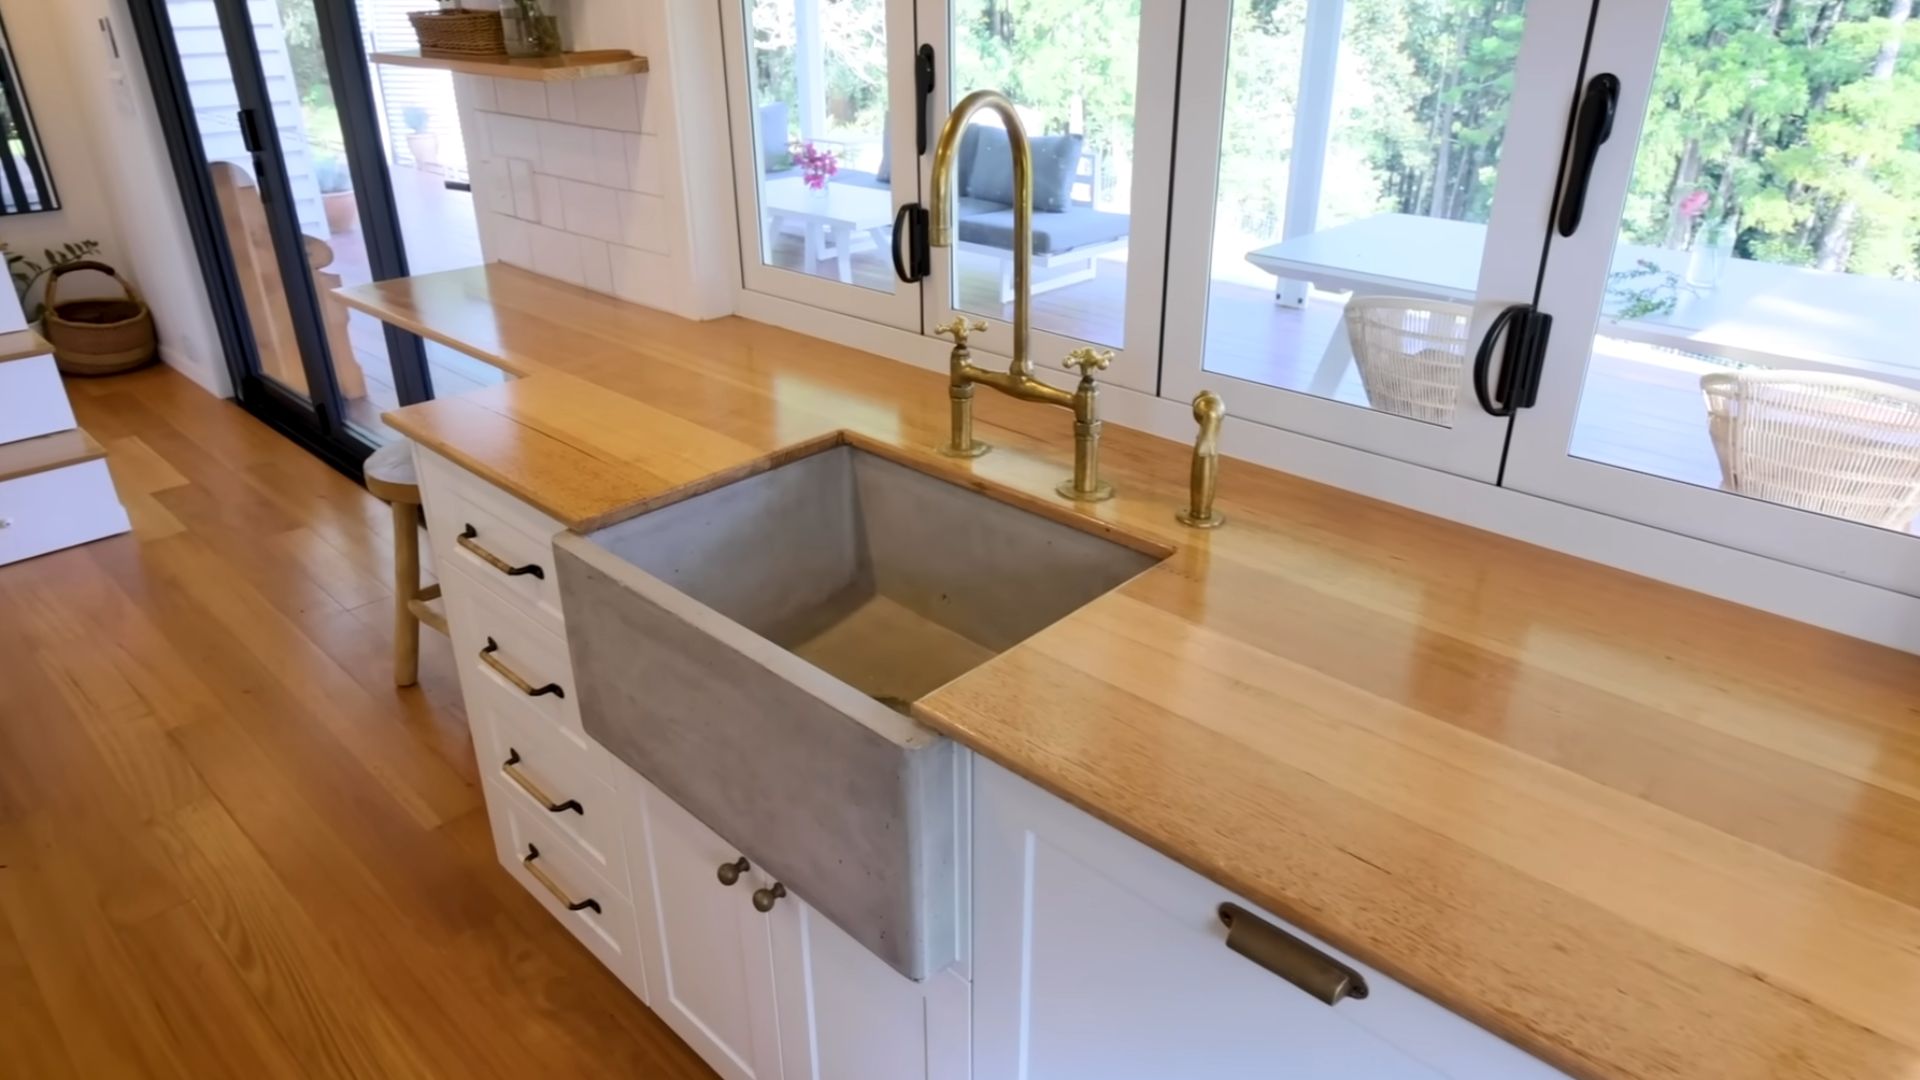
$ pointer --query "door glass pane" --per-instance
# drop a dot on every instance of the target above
(300, 94)
(243, 216)
(1359, 148)
(1072, 69)
(818, 69)
(1758, 329)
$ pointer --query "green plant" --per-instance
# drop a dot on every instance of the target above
(27, 272)
(1643, 290)
(331, 174)
(416, 118)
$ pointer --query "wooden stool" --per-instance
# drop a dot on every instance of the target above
(391, 479)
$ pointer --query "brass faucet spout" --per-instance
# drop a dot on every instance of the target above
(940, 204)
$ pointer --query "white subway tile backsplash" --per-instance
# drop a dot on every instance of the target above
(641, 277)
(521, 97)
(525, 205)
(610, 157)
(596, 269)
(512, 136)
(555, 253)
(560, 102)
(643, 222)
(650, 105)
(644, 166)
(546, 193)
(492, 184)
(566, 150)
(474, 91)
(591, 209)
(608, 103)
(506, 239)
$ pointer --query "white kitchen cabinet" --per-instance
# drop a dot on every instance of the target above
(708, 954)
(1095, 956)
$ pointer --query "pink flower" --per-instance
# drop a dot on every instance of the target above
(816, 165)
(1693, 204)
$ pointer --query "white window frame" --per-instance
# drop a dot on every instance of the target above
(1136, 362)
(1547, 62)
(902, 306)
(1626, 41)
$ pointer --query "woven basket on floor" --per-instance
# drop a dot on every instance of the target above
(98, 335)
(458, 32)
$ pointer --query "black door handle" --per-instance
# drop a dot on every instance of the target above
(923, 87)
(1521, 364)
(915, 261)
(1592, 126)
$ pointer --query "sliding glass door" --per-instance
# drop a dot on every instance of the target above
(1734, 348)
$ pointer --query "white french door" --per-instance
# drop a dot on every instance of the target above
(1727, 362)
(1341, 245)
(821, 94)
(1095, 87)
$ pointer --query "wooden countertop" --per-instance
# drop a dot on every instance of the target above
(1638, 831)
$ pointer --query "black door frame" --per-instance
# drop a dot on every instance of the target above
(317, 424)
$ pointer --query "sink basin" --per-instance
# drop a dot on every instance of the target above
(754, 649)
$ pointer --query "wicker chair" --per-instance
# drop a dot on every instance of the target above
(1411, 353)
(1838, 445)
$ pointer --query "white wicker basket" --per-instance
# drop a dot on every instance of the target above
(1411, 353)
(1839, 445)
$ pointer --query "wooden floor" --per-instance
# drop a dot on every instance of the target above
(228, 846)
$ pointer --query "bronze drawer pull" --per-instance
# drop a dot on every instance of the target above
(534, 790)
(507, 673)
(469, 538)
(729, 873)
(1287, 956)
(552, 886)
(764, 899)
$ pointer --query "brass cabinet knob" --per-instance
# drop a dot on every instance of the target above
(764, 899)
(730, 872)
(1088, 360)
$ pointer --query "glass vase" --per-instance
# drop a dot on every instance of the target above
(1712, 246)
(529, 28)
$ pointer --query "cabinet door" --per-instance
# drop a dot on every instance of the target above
(846, 1015)
(1096, 957)
(707, 951)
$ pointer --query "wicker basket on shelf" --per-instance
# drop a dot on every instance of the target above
(98, 336)
(458, 32)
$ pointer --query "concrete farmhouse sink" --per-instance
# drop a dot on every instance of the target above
(754, 648)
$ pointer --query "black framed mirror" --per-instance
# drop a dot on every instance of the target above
(26, 184)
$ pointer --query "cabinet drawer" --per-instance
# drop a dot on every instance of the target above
(501, 648)
(504, 544)
(542, 768)
(46, 511)
(549, 868)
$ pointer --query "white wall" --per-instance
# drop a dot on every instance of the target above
(110, 166)
(588, 182)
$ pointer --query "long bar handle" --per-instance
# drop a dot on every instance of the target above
(552, 886)
(512, 676)
(535, 791)
(1306, 967)
(469, 538)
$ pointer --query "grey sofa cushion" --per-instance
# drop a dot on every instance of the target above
(991, 224)
(773, 137)
(1055, 159)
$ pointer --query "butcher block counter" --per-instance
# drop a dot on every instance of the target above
(1637, 831)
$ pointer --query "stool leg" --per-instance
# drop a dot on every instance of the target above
(406, 583)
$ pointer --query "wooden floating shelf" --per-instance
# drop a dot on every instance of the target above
(592, 64)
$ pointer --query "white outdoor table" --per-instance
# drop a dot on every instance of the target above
(1779, 316)
(830, 218)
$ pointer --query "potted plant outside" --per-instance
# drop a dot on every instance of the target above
(422, 143)
(336, 193)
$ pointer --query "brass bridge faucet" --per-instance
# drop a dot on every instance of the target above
(1018, 380)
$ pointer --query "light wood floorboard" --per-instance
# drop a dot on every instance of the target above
(228, 846)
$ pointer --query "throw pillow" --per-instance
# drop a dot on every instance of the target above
(1055, 160)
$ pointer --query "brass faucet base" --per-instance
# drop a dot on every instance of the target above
(973, 451)
(1212, 521)
(1100, 493)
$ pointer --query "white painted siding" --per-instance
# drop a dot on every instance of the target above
(385, 27)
